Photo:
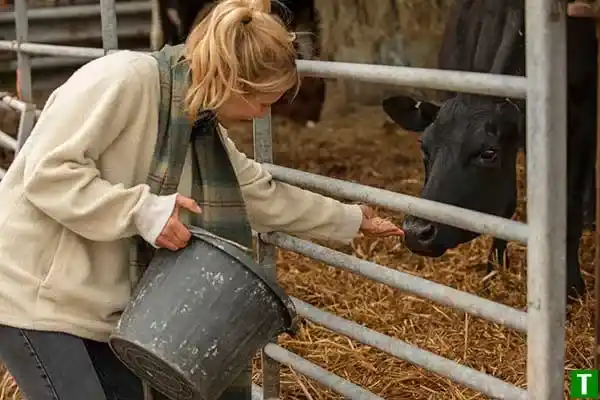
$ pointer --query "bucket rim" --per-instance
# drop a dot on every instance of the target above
(234, 250)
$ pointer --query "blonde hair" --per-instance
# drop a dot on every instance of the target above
(238, 47)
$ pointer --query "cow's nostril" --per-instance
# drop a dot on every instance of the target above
(426, 233)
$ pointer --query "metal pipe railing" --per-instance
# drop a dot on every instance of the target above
(472, 82)
(8, 142)
(16, 104)
(484, 383)
(108, 19)
(545, 24)
(265, 252)
(24, 83)
(432, 210)
(441, 294)
(324, 377)
(50, 14)
(544, 234)
(430, 78)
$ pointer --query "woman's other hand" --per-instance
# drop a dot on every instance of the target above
(175, 235)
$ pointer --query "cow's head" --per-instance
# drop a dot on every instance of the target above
(469, 147)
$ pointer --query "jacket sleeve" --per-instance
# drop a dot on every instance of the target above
(278, 206)
(80, 120)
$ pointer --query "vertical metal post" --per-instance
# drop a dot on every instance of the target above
(24, 83)
(108, 16)
(265, 253)
(597, 255)
(546, 196)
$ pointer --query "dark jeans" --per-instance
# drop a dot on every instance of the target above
(59, 366)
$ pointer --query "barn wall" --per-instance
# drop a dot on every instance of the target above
(392, 32)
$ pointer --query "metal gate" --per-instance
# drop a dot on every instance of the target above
(544, 234)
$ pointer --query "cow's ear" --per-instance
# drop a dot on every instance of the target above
(409, 114)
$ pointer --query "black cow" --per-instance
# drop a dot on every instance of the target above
(176, 18)
(470, 142)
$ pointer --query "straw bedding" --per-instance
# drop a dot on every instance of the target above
(360, 146)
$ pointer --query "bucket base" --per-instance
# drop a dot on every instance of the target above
(152, 369)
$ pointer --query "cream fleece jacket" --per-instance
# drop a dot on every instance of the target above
(76, 194)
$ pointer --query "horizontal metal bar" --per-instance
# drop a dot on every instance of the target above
(431, 78)
(487, 384)
(76, 12)
(17, 104)
(444, 213)
(53, 50)
(324, 377)
(473, 82)
(442, 294)
(8, 141)
(41, 63)
(89, 33)
(133, 27)
(49, 62)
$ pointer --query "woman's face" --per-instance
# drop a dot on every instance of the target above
(245, 108)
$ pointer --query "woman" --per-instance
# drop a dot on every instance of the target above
(110, 173)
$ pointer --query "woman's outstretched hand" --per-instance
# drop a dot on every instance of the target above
(372, 225)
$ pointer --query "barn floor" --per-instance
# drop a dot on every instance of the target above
(360, 146)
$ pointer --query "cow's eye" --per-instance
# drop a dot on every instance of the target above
(488, 155)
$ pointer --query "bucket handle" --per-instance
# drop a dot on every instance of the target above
(202, 232)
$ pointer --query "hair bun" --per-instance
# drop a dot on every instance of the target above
(258, 5)
(246, 19)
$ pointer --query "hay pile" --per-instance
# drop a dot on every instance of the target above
(361, 147)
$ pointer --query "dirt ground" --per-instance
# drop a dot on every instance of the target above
(361, 146)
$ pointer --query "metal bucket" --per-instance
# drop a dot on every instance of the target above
(198, 317)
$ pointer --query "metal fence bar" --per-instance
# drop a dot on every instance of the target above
(108, 17)
(8, 141)
(544, 234)
(52, 49)
(487, 384)
(324, 377)
(257, 392)
(451, 215)
(16, 104)
(24, 82)
(263, 152)
(430, 78)
(75, 12)
(469, 82)
(46, 63)
(442, 294)
(546, 196)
